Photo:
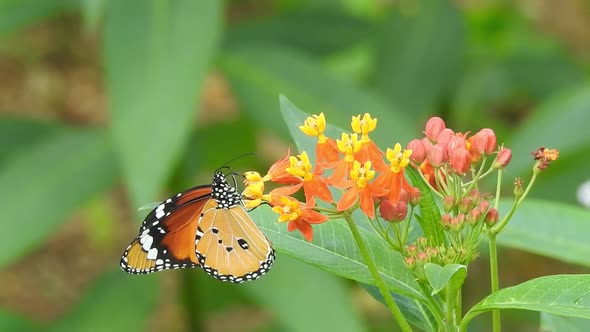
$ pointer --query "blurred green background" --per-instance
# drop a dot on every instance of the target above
(108, 105)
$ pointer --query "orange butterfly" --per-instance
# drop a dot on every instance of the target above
(205, 226)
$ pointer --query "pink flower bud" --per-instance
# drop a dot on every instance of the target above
(491, 217)
(464, 204)
(456, 142)
(437, 155)
(485, 141)
(473, 216)
(427, 144)
(414, 197)
(433, 127)
(483, 207)
(394, 212)
(445, 220)
(445, 136)
(448, 202)
(460, 161)
(418, 151)
(503, 158)
(410, 262)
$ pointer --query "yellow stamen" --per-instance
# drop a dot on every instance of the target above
(315, 125)
(349, 144)
(300, 166)
(288, 210)
(361, 174)
(363, 126)
(399, 159)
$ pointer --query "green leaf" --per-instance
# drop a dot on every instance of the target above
(412, 309)
(334, 250)
(439, 277)
(554, 323)
(40, 188)
(559, 123)
(156, 57)
(429, 212)
(419, 55)
(547, 228)
(12, 322)
(299, 285)
(565, 295)
(18, 135)
(116, 302)
(16, 14)
(318, 30)
(259, 74)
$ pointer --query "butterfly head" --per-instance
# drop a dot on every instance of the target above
(225, 194)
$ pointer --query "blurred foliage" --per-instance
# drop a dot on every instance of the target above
(191, 85)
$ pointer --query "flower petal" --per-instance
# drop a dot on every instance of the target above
(348, 199)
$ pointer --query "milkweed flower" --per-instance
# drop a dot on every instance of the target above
(368, 149)
(359, 188)
(326, 150)
(299, 216)
(313, 184)
(393, 180)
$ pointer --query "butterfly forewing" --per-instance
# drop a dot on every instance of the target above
(166, 237)
(230, 246)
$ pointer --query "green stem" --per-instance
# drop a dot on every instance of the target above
(395, 311)
(458, 306)
(494, 279)
(450, 308)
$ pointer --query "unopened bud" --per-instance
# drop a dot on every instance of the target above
(410, 262)
(473, 216)
(464, 204)
(444, 137)
(483, 206)
(418, 151)
(394, 212)
(422, 241)
(448, 203)
(475, 196)
(502, 159)
(460, 161)
(414, 197)
(445, 220)
(485, 141)
(491, 217)
(433, 128)
(437, 155)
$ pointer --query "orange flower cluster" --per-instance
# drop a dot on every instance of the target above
(357, 168)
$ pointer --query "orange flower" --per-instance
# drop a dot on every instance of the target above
(326, 150)
(393, 180)
(313, 184)
(348, 145)
(359, 187)
(299, 216)
(278, 174)
(368, 150)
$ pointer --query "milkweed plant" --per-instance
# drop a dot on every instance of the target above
(431, 187)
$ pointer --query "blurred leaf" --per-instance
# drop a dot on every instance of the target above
(299, 285)
(554, 323)
(156, 56)
(565, 295)
(92, 12)
(412, 309)
(12, 322)
(429, 217)
(116, 302)
(319, 30)
(334, 250)
(18, 135)
(16, 14)
(419, 55)
(560, 123)
(258, 75)
(439, 277)
(40, 188)
(547, 228)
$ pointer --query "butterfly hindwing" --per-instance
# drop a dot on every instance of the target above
(166, 237)
(230, 246)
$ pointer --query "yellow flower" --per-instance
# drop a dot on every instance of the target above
(349, 144)
(300, 166)
(288, 209)
(361, 174)
(363, 126)
(315, 125)
(254, 195)
(399, 159)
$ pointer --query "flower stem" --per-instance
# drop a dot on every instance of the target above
(395, 311)
(494, 279)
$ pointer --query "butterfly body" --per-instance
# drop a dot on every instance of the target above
(205, 226)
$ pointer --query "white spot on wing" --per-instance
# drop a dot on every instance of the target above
(152, 253)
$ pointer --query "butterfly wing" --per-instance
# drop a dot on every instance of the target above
(166, 237)
(230, 246)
